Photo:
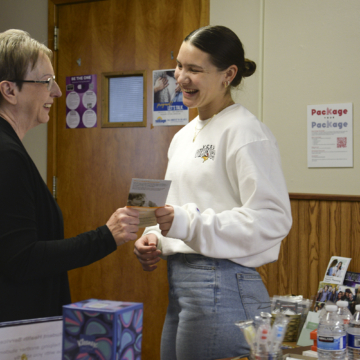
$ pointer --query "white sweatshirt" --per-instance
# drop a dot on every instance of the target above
(228, 190)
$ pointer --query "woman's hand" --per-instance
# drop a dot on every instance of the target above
(165, 218)
(123, 225)
(160, 83)
(146, 252)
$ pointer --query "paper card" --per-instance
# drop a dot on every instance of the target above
(310, 356)
(147, 195)
(311, 323)
(349, 294)
(352, 279)
(336, 270)
(31, 339)
(327, 292)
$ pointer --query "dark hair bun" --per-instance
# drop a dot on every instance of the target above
(249, 68)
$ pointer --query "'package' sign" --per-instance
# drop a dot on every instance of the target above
(330, 135)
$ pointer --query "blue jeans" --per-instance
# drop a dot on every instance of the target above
(206, 297)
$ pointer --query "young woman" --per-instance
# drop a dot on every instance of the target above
(332, 267)
(338, 272)
(229, 206)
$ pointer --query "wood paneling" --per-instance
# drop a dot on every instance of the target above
(328, 197)
(323, 226)
(67, 2)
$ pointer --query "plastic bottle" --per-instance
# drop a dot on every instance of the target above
(278, 331)
(353, 332)
(322, 313)
(331, 336)
(263, 334)
(344, 312)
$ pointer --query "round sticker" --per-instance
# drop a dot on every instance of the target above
(73, 119)
(72, 100)
(89, 99)
(89, 118)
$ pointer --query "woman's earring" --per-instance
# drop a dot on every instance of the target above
(226, 84)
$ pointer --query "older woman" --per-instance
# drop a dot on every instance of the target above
(228, 209)
(34, 256)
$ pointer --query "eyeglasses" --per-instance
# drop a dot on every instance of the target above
(50, 82)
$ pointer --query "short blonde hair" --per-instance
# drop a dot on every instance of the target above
(19, 52)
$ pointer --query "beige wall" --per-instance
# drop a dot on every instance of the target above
(309, 54)
(244, 17)
(31, 16)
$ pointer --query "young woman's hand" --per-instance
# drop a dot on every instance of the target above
(165, 218)
(146, 252)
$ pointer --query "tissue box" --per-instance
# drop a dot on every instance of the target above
(102, 330)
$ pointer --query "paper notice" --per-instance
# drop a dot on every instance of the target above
(31, 339)
(147, 195)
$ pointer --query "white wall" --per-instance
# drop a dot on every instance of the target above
(243, 17)
(31, 16)
(310, 56)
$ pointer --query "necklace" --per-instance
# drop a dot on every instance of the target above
(197, 133)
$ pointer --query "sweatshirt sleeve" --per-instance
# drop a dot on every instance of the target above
(24, 253)
(47, 258)
(262, 221)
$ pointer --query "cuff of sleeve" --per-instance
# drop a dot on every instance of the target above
(107, 236)
(179, 227)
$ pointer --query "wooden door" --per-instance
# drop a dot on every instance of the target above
(94, 167)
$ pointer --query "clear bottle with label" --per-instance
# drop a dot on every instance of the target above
(344, 312)
(331, 336)
(264, 349)
(353, 331)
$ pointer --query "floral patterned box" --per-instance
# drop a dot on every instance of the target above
(102, 330)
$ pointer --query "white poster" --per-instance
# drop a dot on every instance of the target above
(168, 106)
(330, 135)
(32, 340)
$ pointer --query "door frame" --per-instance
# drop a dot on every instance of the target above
(52, 125)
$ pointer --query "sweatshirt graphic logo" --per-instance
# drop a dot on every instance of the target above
(206, 152)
